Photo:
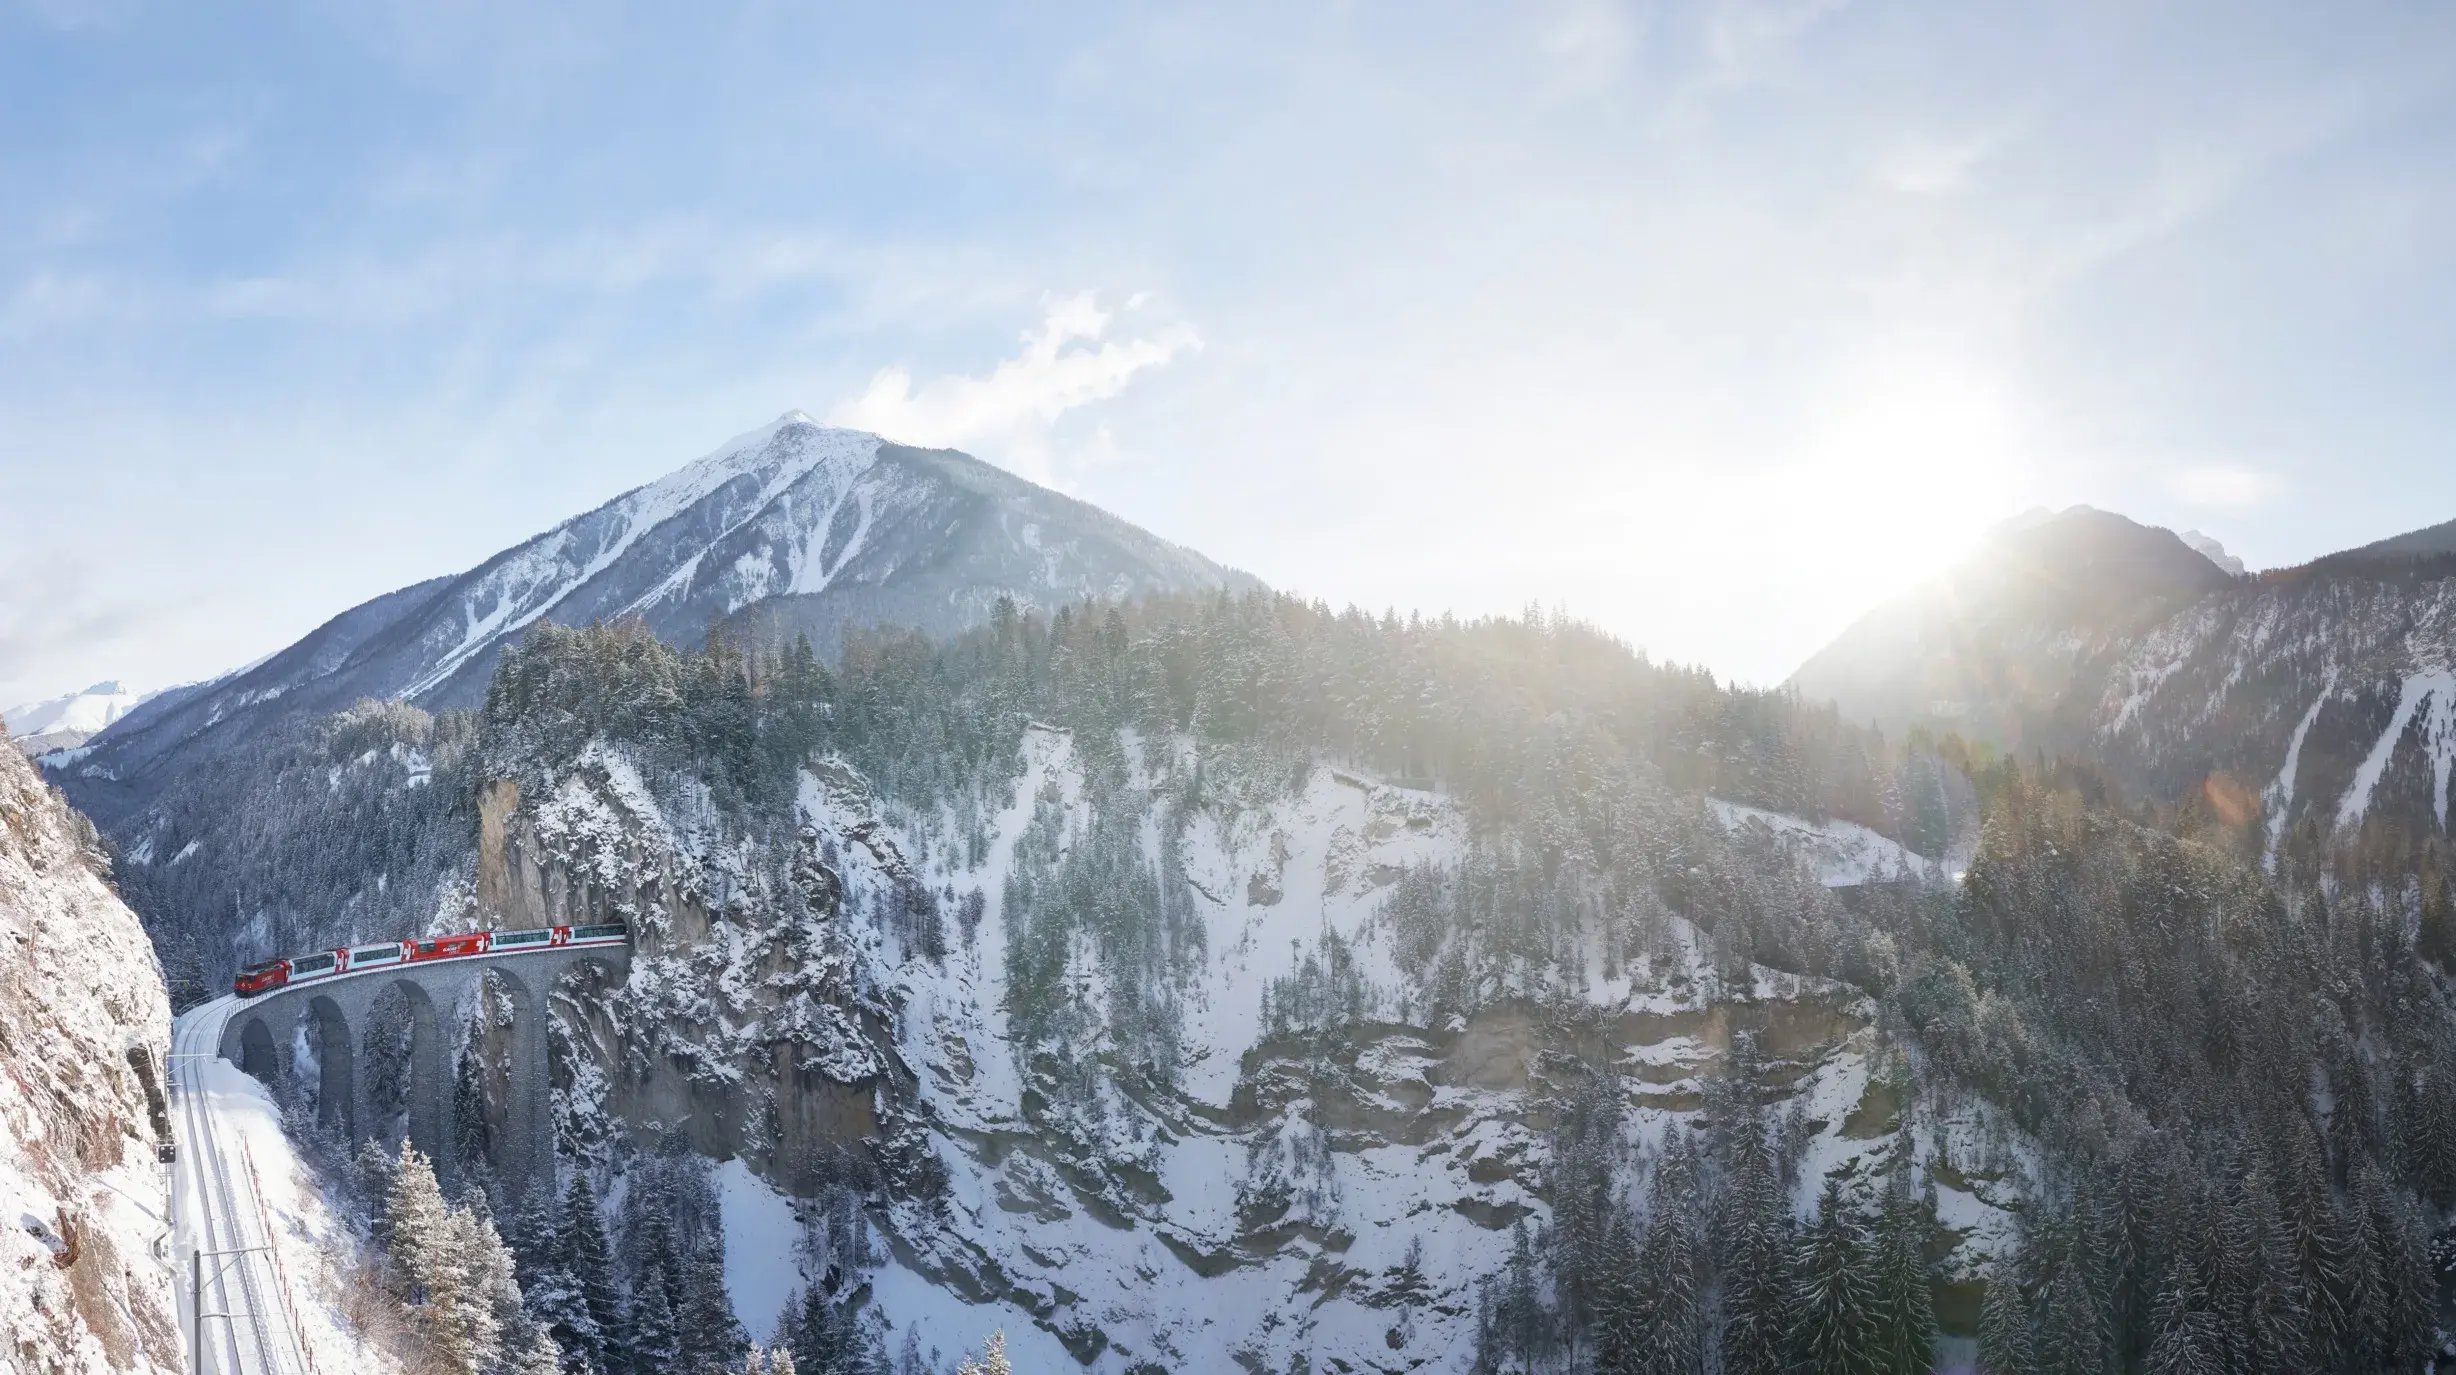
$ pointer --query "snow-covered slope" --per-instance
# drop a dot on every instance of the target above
(69, 720)
(1843, 854)
(794, 527)
(86, 1269)
(1274, 1192)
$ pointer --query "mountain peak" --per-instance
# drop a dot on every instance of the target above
(2208, 547)
(792, 529)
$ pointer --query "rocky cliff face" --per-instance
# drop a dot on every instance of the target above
(1317, 1163)
(85, 1271)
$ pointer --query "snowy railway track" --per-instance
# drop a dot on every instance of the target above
(242, 1329)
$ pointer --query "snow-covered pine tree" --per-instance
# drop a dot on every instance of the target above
(2071, 1327)
(656, 1340)
(1623, 1309)
(1671, 1269)
(2405, 1283)
(2004, 1346)
(1905, 1311)
(766, 1360)
(2265, 1312)
(540, 1356)
(1833, 1305)
(992, 1360)
(2185, 1336)
(712, 1338)
(416, 1226)
(649, 1245)
(1756, 1258)
(493, 1319)
(591, 1331)
(372, 1171)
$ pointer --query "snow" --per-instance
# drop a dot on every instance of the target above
(86, 1267)
(2279, 796)
(2207, 547)
(1181, 1276)
(2431, 688)
(84, 712)
(1844, 854)
(230, 1129)
(760, 1234)
(519, 587)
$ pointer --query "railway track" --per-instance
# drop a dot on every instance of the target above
(245, 1327)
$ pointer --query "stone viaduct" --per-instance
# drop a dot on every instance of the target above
(339, 1011)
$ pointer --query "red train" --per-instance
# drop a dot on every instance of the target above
(268, 975)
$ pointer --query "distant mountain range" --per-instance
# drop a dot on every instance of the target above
(796, 528)
(2316, 702)
(69, 720)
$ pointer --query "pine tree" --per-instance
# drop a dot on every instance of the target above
(2004, 1345)
(540, 1356)
(416, 1222)
(2186, 1337)
(656, 1340)
(1904, 1310)
(2331, 1285)
(992, 1359)
(1833, 1308)
(1623, 1307)
(486, 1303)
(1756, 1259)
(372, 1171)
(2265, 1315)
(2405, 1282)
(592, 1332)
(2072, 1331)
(712, 1338)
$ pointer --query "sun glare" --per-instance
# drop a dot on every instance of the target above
(1912, 461)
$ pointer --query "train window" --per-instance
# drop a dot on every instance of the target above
(312, 964)
(522, 937)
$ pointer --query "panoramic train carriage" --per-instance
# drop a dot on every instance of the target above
(448, 947)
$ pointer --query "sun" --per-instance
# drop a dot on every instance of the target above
(1910, 458)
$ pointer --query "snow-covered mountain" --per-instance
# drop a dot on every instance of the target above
(2217, 554)
(2316, 702)
(69, 720)
(85, 1271)
(1989, 647)
(795, 528)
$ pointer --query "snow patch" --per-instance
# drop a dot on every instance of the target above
(1844, 854)
(2431, 688)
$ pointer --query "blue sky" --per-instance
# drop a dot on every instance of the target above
(1713, 323)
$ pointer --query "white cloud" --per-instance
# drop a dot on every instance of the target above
(1589, 43)
(1929, 166)
(1010, 412)
(2221, 486)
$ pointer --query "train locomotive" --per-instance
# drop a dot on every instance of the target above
(266, 975)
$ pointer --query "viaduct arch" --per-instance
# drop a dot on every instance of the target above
(338, 1012)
